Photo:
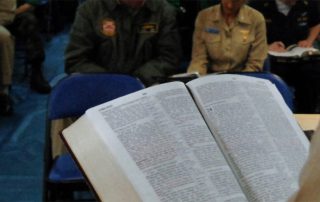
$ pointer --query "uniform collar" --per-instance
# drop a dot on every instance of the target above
(150, 4)
(242, 17)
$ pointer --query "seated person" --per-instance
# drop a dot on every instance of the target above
(135, 37)
(25, 26)
(229, 37)
(6, 55)
(294, 22)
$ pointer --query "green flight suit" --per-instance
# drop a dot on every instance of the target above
(109, 37)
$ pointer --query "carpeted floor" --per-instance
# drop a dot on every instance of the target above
(22, 134)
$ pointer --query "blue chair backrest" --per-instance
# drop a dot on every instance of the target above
(283, 88)
(267, 65)
(76, 93)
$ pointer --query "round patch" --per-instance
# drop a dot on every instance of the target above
(108, 27)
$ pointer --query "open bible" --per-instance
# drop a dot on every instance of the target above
(295, 53)
(216, 138)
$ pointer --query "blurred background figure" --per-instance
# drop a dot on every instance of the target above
(309, 189)
(294, 22)
(229, 37)
(25, 27)
(7, 13)
(136, 37)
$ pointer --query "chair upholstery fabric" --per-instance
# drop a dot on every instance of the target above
(78, 92)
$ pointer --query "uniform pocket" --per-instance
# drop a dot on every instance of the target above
(212, 38)
(243, 37)
(213, 45)
(242, 41)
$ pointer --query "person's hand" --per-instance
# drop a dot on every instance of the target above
(277, 46)
(24, 8)
(305, 44)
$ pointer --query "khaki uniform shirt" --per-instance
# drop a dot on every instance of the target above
(218, 47)
(7, 11)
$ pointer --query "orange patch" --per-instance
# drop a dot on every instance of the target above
(108, 27)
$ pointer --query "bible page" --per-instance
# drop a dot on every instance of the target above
(163, 145)
(257, 132)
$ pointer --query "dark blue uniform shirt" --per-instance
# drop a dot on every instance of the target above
(291, 28)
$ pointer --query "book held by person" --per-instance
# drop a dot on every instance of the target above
(296, 53)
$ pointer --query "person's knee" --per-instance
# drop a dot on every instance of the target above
(5, 37)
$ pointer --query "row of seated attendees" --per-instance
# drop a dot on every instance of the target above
(124, 37)
(17, 21)
(141, 38)
(25, 22)
(294, 22)
(229, 37)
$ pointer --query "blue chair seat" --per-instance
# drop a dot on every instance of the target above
(64, 169)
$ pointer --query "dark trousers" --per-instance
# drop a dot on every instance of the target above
(304, 77)
(25, 27)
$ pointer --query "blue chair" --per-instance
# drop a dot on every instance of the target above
(71, 97)
(283, 88)
(267, 65)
